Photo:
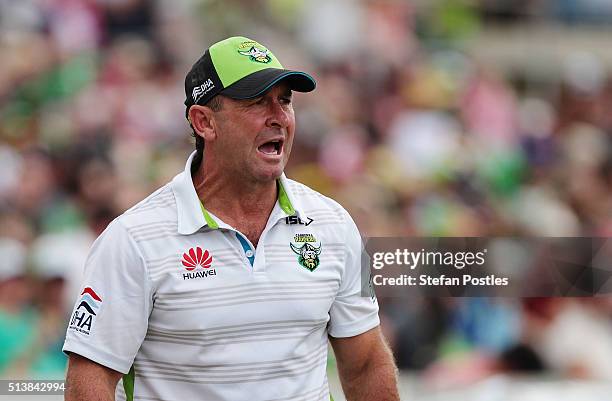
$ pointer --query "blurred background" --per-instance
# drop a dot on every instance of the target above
(430, 118)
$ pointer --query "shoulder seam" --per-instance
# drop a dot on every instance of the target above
(333, 205)
(153, 199)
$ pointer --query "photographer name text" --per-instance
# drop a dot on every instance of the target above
(417, 261)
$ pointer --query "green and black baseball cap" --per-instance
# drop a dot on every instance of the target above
(239, 68)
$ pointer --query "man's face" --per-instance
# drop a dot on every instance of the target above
(254, 136)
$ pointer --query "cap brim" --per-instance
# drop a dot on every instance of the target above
(261, 81)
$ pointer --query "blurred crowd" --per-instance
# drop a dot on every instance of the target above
(407, 129)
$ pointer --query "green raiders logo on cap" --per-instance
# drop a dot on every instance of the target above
(256, 52)
(237, 57)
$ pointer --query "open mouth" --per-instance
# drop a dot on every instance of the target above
(273, 147)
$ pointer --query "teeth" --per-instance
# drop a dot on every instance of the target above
(277, 146)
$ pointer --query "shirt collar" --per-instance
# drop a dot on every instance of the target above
(188, 207)
(192, 215)
(287, 199)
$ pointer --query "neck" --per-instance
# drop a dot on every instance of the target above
(231, 198)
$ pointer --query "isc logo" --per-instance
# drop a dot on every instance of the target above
(291, 220)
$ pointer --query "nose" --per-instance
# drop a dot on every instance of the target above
(279, 116)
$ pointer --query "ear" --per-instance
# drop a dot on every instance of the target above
(203, 122)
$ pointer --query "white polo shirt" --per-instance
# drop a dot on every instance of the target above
(188, 309)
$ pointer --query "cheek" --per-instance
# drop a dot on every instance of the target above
(230, 137)
(288, 145)
(290, 134)
(291, 124)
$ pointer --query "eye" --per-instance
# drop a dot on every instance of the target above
(285, 99)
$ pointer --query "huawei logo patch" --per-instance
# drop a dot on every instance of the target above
(196, 257)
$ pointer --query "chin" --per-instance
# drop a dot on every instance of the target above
(270, 177)
(263, 171)
(269, 174)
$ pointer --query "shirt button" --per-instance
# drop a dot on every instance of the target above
(249, 254)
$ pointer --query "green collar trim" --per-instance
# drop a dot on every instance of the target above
(209, 220)
(283, 200)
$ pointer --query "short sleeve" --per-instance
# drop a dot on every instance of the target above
(355, 308)
(110, 316)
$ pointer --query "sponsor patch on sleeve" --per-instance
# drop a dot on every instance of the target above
(85, 311)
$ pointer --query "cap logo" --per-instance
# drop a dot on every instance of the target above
(255, 52)
(202, 90)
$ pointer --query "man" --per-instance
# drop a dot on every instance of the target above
(225, 283)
